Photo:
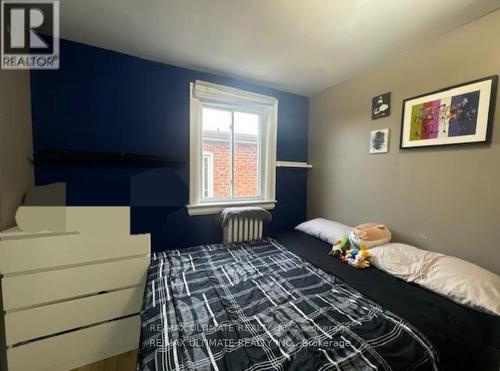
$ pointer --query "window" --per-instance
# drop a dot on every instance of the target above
(232, 148)
(234, 139)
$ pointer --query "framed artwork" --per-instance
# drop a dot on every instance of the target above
(379, 141)
(381, 106)
(455, 115)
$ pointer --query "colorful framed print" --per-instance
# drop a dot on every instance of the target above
(379, 141)
(455, 115)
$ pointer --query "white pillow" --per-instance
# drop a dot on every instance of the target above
(463, 282)
(457, 279)
(324, 229)
(398, 259)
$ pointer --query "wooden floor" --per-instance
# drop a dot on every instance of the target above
(121, 362)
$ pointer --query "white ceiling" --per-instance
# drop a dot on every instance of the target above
(301, 46)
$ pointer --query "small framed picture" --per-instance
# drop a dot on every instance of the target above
(454, 115)
(381, 106)
(379, 141)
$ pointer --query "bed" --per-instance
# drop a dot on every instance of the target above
(283, 303)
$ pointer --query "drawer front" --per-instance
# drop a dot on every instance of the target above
(33, 289)
(37, 322)
(77, 348)
(37, 253)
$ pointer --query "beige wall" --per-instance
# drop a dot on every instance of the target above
(442, 199)
(16, 173)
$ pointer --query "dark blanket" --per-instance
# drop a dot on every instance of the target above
(464, 338)
(258, 306)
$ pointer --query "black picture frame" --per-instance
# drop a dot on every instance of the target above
(377, 102)
(489, 121)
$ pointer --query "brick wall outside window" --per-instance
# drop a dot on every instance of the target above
(245, 163)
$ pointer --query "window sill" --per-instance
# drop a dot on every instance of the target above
(214, 208)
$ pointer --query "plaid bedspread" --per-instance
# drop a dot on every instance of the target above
(257, 306)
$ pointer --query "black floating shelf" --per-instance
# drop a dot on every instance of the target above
(103, 158)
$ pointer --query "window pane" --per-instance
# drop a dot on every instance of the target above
(216, 140)
(246, 154)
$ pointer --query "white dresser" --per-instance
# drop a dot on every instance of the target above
(70, 298)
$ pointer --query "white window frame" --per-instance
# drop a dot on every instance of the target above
(205, 93)
(210, 173)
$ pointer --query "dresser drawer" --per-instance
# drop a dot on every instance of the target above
(25, 290)
(50, 252)
(76, 348)
(34, 323)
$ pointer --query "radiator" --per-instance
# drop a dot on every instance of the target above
(242, 229)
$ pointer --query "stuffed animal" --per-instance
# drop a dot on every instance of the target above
(349, 254)
(369, 235)
(353, 247)
(340, 246)
(357, 258)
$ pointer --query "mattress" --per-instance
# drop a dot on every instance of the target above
(464, 338)
(283, 303)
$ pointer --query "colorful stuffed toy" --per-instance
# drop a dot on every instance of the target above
(353, 247)
(340, 246)
(358, 258)
(349, 254)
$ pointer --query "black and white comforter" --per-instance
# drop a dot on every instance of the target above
(257, 306)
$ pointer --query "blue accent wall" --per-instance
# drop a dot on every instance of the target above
(104, 101)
